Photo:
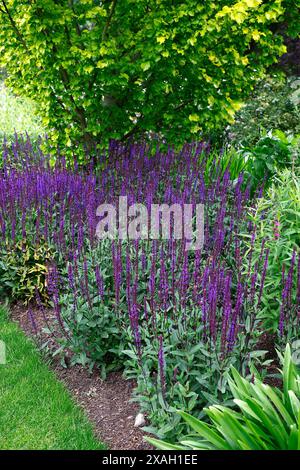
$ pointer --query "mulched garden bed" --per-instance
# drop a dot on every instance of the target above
(106, 403)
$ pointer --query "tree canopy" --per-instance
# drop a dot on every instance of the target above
(114, 69)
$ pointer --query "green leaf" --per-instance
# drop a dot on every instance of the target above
(205, 431)
(163, 445)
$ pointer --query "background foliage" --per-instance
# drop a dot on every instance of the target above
(120, 68)
(276, 219)
(274, 105)
(18, 115)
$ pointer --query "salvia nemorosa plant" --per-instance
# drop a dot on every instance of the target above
(174, 319)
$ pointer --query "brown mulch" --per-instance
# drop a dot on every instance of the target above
(106, 403)
(267, 343)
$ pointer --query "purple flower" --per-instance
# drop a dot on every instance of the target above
(134, 322)
(161, 363)
(163, 281)
(53, 290)
(99, 282)
(32, 319)
(227, 309)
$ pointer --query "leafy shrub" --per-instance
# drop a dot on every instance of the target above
(119, 72)
(267, 419)
(271, 154)
(289, 62)
(93, 329)
(23, 269)
(183, 370)
(274, 105)
(266, 132)
(217, 164)
(275, 222)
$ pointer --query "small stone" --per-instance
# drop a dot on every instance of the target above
(139, 420)
(92, 392)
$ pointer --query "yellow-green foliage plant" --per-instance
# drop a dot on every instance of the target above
(24, 269)
(116, 69)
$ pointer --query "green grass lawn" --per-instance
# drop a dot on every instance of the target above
(36, 411)
(17, 114)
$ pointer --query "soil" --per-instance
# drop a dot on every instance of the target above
(106, 403)
(267, 343)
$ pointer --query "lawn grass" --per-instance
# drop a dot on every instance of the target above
(36, 411)
(17, 115)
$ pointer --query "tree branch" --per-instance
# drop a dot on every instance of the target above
(133, 130)
(13, 23)
(77, 27)
(111, 14)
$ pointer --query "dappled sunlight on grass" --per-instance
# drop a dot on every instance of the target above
(17, 115)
